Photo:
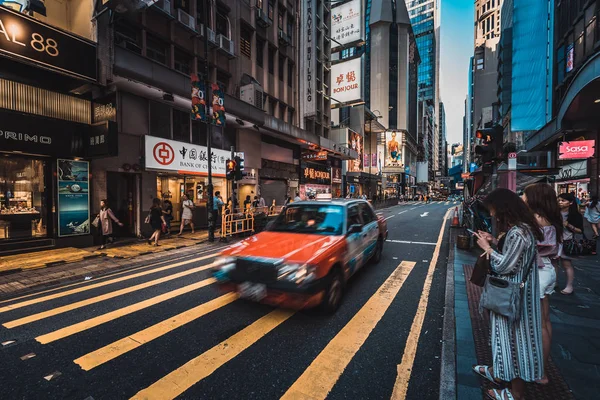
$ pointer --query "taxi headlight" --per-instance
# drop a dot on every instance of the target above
(222, 266)
(297, 273)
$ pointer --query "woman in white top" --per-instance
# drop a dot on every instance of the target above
(592, 214)
(186, 215)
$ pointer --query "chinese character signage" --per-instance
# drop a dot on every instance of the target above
(355, 142)
(346, 81)
(393, 141)
(346, 24)
(308, 58)
(577, 149)
(28, 40)
(218, 105)
(170, 155)
(316, 174)
(198, 99)
(320, 156)
(73, 198)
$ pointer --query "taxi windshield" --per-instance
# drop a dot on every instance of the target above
(314, 218)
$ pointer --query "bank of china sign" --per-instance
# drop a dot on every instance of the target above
(346, 81)
(183, 158)
(346, 24)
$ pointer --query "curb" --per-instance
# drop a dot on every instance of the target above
(448, 356)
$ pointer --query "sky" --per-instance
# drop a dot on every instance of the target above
(456, 49)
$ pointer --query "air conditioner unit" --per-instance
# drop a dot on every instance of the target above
(284, 38)
(262, 19)
(226, 45)
(186, 19)
(212, 38)
(252, 94)
(164, 6)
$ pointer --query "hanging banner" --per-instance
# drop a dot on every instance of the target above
(73, 198)
(218, 104)
(198, 99)
(355, 142)
(308, 59)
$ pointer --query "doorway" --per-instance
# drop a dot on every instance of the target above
(120, 193)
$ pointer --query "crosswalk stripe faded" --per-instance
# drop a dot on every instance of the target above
(101, 284)
(319, 378)
(131, 342)
(180, 380)
(97, 299)
(121, 312)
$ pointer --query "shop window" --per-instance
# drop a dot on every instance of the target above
(271, 10)
(271, 60)
(128, 37)
(260, 48)
(181, 126)
(23, 199)
(183, 62)
(290, 77)
(160, 120)
(156, 49)
(246, 41)
(281, 67)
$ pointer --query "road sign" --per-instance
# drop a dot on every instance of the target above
(512, 161)
(512, 155)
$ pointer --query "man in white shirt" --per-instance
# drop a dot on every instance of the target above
(261, 201)
(297, 198)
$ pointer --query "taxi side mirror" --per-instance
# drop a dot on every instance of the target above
(356, 228)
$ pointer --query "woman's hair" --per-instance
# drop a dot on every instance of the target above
(105, 202)
(510, 210)
(574, 214)
(593, 202)
(156, 202)
(168, 202)
(541, 200)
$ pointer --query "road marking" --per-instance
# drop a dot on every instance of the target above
(391, 216)
(97, 299)
(101, 284)
(410, 242)
(192, 372)
(402, 212)
(131, 342)
(426, 213)
(319, 378)
(121, 312)
(412, 342)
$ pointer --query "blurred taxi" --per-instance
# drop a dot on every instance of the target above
(305, 256)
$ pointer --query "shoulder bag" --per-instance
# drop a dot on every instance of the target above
(503, 296)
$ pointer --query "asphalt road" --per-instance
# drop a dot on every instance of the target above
(164, 331)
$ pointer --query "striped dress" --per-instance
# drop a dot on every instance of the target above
(517, 347)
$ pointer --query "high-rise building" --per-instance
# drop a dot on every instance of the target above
(442, 147)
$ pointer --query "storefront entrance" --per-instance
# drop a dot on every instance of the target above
(121, 195)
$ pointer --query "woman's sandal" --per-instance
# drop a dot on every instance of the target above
(485, 374)
(503, 394)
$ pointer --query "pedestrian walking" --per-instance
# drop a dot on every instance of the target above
(261, 201)
(156, 220)
(592, 215)
(573, 223)
(168, 215)
(255, 202)
(105, 220)
(516, 342)
(247, 202)
(217, 206)
(540, 199)
(297, 198)
(186, 214)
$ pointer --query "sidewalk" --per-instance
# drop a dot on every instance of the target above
(28, 271)
(574, 369)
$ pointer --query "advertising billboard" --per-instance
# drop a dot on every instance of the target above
(346, 81)
(346, 23)
(393, 142)
(355, 142)
(73, 198)
(576, 150)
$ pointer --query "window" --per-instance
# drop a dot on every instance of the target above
(181, 126)
(271, 60)
(280, 20)
(160, 120)
(260, 56)
(246, 41)
(579, 47)
(290, 116)
(259, 4)
(156, 49)
(223, 25)
(353, 216)
(272, 105)
(290, 26)
(590, 27)
(271, 9)
(128, 37)
(199, 133)
(202, 13)
(281, 111)
(223, 79)
(367, 214)
(290, 77)
(281, 67)
(182, 62)
(183, 4)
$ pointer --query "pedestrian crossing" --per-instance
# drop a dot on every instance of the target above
(85, 305)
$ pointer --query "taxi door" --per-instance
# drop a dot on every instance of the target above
(355, 242)
(370, 229)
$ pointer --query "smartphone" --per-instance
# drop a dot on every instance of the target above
(471, 232)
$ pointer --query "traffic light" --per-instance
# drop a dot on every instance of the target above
(231, 169)
(239, 168)
(492, 141)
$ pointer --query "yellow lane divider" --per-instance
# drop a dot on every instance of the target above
(69, 307)
(15, 306)
(319, 378)
(121, 312)
(122, 346)
(180, 380)
(412, 342)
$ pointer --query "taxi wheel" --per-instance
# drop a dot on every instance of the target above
(378, 251)
(334, 293)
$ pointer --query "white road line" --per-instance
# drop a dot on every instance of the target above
(391, 216)
(402, 212)
(409, 242)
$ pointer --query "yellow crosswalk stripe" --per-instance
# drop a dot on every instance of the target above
(412, 342)
(97, 299)
(180, 380)
(131, 342)
(319, 378)
(101, 284)
(121, 312)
